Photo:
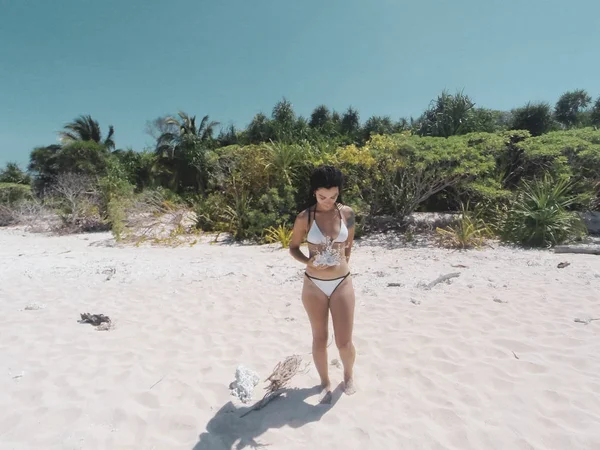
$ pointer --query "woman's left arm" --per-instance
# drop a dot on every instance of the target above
(350, 222)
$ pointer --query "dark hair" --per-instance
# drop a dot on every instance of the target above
(325, 177)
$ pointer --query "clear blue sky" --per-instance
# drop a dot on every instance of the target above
(129, 61)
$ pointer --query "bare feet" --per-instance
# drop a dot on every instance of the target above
(325, 395)
(349, 387)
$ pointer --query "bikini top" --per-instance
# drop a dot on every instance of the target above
(316, 237)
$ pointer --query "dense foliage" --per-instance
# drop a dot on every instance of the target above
(252, 182)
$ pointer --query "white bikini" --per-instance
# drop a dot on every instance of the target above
(316, 237)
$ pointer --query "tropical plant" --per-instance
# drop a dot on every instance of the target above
(285, 160)
(350, 125)
(377, 125)
(469, 231)
(236, 215)
(448, 115)
(569, 109)
(14, 192)
(182, 151)
(595, 113)
(12, 173)
(534, 117)
(540, 215)
(411, 169)
(280, 234)
(84, 128)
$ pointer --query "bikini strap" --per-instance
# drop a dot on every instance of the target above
(339, 208)
(314, 215)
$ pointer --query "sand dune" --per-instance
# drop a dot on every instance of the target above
(492, 359)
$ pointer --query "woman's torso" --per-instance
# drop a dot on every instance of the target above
(327, 230)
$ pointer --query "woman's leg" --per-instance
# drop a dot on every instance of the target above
(316, 304)
(342, 314)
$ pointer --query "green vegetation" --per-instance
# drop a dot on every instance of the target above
(252, 182)
(540, 214)
(471, 230)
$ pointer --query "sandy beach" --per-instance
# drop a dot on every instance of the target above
(492, 359)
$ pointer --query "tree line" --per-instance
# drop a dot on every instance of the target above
(248, 180)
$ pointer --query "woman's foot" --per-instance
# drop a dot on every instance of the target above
(349, 387)
(325, 394)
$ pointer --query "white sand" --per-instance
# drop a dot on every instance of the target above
(439, 373)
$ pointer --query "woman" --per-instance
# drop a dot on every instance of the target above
(329, 230)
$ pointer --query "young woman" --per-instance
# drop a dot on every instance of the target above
(328, 226)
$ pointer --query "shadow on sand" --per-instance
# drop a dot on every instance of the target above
(227, 428)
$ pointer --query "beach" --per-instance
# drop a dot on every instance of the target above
(500, 356)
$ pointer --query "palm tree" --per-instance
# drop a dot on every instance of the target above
(448, 115)
(84, 128)
(182, 149)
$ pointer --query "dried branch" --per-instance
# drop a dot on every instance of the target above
(282, 374)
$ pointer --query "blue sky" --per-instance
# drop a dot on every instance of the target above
(129, 61)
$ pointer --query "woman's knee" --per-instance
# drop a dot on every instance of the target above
(343, 344)
(320, 341)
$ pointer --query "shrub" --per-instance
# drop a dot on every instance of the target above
(469, 231)
(540, 215)
(12, 193)
(210, 212)
(280, 234)
(77, 200)
(411, 169)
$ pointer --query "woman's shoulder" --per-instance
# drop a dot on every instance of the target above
(348, 214)
(345, 209)
(303, 215)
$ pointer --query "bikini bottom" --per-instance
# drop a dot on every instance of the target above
(327, 286)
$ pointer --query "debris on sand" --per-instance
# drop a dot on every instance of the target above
(585, 321)
(245, 381)
(282, 374)
(100, 321)
(439, 280)
(34, 306)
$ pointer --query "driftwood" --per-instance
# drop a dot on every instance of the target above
(441, 279)
(94, 319)
(585, 321)
(577, 249)
(282, 374)
(562, 265)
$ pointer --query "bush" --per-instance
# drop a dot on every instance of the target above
(13, 193)
(411, 169)
(77, 200)
(540, 215)
(469, 231)
(281, 234)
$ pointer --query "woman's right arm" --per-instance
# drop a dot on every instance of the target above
(298, 233)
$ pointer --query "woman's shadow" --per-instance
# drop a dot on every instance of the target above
(228, 427)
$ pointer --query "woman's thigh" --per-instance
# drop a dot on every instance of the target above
(342, 311)
(316, 305)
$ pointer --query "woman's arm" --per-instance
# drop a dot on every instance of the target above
(350, 222)
(298, 233)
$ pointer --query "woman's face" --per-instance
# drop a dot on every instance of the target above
(326, 197)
